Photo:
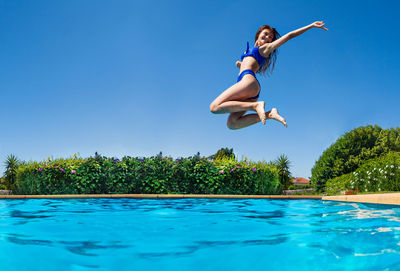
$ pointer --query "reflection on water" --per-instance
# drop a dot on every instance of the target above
(28, 215)
(78, 247)
(378, 253)
(20, 241)
(212, 244)
(363, 211)
(267, 215)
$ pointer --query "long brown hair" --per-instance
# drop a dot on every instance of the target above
(269, 64)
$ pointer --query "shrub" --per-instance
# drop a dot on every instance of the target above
(299, 186)
(157, 174)
(338, 184)
(351, 150)
(379, 174)
(260, 177)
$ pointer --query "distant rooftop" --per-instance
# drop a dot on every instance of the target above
(300, 180)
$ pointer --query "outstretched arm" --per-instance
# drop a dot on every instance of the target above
(266, 49)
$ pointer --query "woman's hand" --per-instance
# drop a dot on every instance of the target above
(319, 24)
(238, 64)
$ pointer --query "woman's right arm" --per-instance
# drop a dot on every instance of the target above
(266, 49)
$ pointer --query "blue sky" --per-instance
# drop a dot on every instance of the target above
(137, 77)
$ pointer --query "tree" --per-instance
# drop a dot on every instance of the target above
(10, 174)
(223, 153)
(283, 164)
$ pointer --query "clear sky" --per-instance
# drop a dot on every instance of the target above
(137, 77)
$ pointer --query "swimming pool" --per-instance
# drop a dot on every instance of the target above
(197, 234)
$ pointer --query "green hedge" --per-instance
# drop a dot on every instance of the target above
(338, 185)
(158, 175)
(351, 150)
(375, 175)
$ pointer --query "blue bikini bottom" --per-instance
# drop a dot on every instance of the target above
(243, 73)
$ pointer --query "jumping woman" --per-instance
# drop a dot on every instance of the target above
(243, 96)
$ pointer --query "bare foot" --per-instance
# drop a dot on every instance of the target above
(274, 114)
(260, 109)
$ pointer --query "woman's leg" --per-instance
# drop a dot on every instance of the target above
(240, 106)
(235, 99)
(238, 120)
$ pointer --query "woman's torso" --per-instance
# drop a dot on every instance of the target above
(252, 59)
(249, 63)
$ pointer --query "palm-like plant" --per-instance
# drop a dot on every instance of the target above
(283, 165)
(10, 174)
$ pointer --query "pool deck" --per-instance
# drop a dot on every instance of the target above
(160, 196)
(387, 198)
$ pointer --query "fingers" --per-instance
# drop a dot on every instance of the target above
(321, 24)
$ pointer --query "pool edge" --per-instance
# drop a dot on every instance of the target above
(160, 196)
(388, 198)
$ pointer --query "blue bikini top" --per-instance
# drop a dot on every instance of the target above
(254, 52)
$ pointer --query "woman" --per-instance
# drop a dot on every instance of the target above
(243, 96)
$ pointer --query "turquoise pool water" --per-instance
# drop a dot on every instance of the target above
(197, 234)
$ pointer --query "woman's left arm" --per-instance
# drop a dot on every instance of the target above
(266, 49)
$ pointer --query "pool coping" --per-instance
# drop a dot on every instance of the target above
(160, 196)
(387, 198)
